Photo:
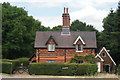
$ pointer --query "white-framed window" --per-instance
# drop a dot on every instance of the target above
(103, 55)
(51, 47)
(78, 48)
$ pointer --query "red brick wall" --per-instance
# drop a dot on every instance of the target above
(107, 60)
(59, 54)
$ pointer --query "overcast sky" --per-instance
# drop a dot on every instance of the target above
(49, 12)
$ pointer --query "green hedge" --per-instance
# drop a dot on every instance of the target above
(24, 61)
(13, 64)
(62, 69)
(119, 69)
(7, 67)
(86, 69)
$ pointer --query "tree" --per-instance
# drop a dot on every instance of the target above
(18, 32)
(57, 28)
(110, 35)
(80, 26)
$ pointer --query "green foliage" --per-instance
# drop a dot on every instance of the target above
(7, 67)
(18, 32)
(24, 61)
(87, 69)
(80, 26)
(62, 69)
(57, 28)
(118, 69)
(89, 58)
(109, 38)
(15, 63)
(11, 65)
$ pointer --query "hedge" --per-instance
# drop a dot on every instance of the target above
(7, 67)
(119, 69)
(62, 69)
(24, 61)
(13, 64)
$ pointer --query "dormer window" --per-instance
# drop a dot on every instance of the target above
(78, 48)
(51, 47)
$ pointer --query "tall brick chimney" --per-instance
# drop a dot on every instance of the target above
(66, 18)
(66, 22)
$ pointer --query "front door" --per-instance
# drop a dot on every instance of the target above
(107, 68)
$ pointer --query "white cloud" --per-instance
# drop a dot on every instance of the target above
(91, 16)
(88, 11)
(50, 21)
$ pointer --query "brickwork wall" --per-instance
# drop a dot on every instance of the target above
(107, 60)
(60, 55)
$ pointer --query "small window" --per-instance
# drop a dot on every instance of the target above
(78, 47)
(50, 61)
(103, 55)
(80, 62)
(51, 47)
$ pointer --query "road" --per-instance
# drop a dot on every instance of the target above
(60, 79)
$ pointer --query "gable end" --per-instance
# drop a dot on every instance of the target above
(107, 54)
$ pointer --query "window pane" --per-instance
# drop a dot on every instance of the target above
(79, 47)
(51, 47)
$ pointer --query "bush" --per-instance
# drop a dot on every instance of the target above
(24, 61)
(13, 64)
(119, 69)
(62, 69)
(7, 67)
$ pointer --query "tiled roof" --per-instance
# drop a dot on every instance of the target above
(65, 41)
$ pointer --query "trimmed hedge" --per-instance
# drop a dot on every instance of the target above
(7, 67)
(119, 69)
(24, 61)
(62, 69)
(13, 64)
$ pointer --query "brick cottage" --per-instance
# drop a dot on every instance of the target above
(61, 46)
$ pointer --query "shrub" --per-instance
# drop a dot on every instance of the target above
(7, 67)
(24, 61)
(119, 69)
(15, 63)
(50, 69)
(62, 69)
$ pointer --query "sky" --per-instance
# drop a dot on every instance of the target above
(49, 12)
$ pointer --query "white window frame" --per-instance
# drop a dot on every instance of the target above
(49, 47)
(77, 48)
(104, 55)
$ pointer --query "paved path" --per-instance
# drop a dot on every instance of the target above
(60, 79)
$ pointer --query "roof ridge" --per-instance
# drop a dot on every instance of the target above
(61, 31)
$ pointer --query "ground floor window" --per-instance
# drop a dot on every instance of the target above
(80, 62)
(51, 61)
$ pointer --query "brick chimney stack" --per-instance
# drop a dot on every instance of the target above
(66, 18)
(66, 23)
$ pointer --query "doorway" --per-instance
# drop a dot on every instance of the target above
(107, 68)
